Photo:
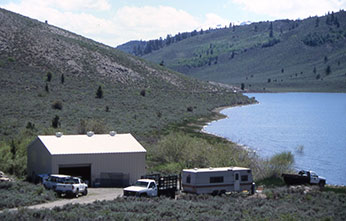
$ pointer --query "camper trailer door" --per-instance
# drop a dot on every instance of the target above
(236, 182)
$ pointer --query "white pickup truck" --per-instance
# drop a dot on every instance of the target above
(72, 186)
(153, 185)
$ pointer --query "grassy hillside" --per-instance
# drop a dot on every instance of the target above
(48, 73)
(283, 55)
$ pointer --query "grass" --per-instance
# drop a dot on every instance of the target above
(86, 65)
(281, 203)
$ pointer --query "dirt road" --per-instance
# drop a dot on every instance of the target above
(93, 195)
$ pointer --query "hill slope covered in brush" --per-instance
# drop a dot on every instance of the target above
(283, 55)
(50, 77)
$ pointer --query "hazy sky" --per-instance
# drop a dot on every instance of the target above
(118, 21)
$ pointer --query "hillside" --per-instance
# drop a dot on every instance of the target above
(283, 55)
(49, 78)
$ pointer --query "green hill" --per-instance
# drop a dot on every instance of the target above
(48, 73)
(283, 55)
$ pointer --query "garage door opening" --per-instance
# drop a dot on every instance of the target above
(79, 171)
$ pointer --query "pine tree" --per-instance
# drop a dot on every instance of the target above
(271, 34)
(49, 76)
(317, 22)
(56, 122)
(328, 70)
(62, 79)
(99, 93)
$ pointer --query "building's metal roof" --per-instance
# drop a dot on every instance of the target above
(98, 143)
(217, 169)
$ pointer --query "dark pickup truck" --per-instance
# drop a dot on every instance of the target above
(304, 177)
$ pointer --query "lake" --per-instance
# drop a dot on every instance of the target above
(285, 121)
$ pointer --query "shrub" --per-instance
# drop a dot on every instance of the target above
(318, 77)
(142, 92)
(178, 151)
(189, 109)
(57, 105)
(30, 126)
(13, 155)
(270, 43)
(19, 193)
(280, 163)
(97, 126)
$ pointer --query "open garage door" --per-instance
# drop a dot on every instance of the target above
(83, 171)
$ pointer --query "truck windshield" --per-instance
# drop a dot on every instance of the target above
(71, 181)
(141, 183)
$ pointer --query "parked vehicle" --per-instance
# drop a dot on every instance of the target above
(304, 177)
(52, 180)
(3, 178)
(153, 185)
(217, 180)
(72, 186)
(40, 178)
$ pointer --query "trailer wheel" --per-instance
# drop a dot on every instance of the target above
(215, 192)
(172, 195)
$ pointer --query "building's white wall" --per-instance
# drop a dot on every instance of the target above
(39, 159)
(128, 163)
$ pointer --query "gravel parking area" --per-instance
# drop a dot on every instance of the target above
(93, 195)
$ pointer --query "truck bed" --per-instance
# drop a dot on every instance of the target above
(166, 185)
(295, 179)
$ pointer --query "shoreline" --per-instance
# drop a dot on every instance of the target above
(220, 116)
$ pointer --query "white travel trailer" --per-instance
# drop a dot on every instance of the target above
(217, 180)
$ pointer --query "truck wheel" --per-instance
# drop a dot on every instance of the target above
(85, 192)
(143, 195)
(321, 184)
(77, 193)
(222, 192)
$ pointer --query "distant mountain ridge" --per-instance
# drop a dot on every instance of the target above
(51, 78)
(283, 55)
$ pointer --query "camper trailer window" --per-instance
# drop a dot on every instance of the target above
(216, 179)
(236, 176)
(244, 178)
(188, 179)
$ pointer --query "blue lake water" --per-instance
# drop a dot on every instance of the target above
(284, 121)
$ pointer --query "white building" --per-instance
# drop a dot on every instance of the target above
(102, 160)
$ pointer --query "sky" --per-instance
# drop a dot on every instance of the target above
(114, 22)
